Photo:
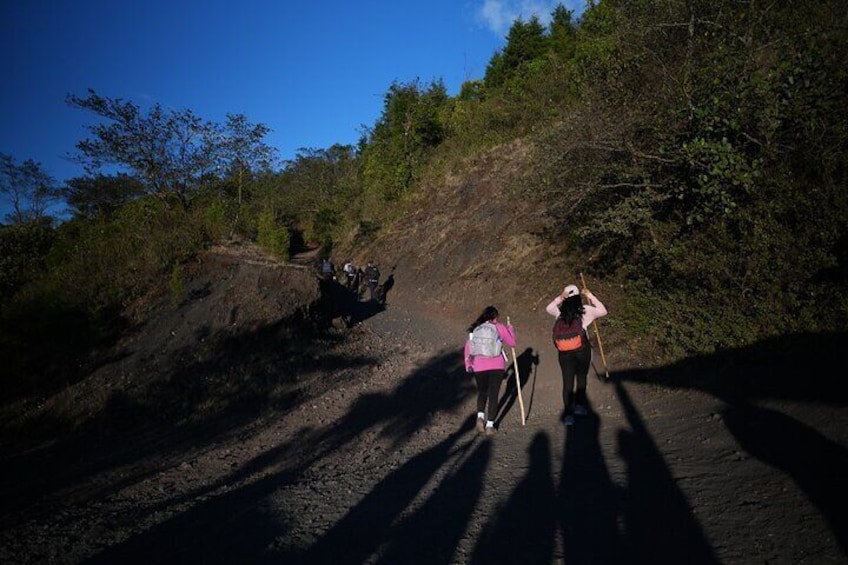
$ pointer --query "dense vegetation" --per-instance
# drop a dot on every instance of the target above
(695, 150)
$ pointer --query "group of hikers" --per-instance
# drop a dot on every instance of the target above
(485, 357)
(356, 279)
(486, 360)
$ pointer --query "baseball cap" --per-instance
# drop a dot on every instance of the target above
(571, 290)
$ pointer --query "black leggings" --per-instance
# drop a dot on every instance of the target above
(574, 366)
(488, 388)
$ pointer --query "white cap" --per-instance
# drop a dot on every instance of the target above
(571, 290)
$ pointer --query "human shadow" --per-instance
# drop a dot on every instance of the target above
(647, 520)
(523, 531)
(386, 287)
(527, 362)
(228, 521)
(588, 503)
(140, 428)
(428, 535)
(341, 302)
(660, 525)
(817, 464)
(433, 532)
(776, 369)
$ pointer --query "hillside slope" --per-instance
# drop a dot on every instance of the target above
(478, 237)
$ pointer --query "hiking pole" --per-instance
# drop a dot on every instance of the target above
(517, 381)
(597, 334)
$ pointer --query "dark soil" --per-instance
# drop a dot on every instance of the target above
(248, 423)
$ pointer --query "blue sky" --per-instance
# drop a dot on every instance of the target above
(314, 72)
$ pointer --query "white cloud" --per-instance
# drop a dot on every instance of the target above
(498, 15)
(494, 15)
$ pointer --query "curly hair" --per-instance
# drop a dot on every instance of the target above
(489, 313)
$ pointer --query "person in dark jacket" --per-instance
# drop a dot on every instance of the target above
(372, 279)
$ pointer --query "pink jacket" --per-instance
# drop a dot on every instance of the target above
(477, 364)
(591, 312)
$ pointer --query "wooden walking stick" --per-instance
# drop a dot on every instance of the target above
(517, 381)
(597, 334)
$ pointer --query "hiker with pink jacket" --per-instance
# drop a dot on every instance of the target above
(485, 359)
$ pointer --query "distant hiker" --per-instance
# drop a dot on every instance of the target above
(359, 284)
(572, 344)
(372, 279)
(350, 274)
(486, 360)
(327, 269)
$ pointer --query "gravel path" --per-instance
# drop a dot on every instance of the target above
(373, 458)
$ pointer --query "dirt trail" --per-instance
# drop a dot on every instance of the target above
(368, 454)
(652, 475)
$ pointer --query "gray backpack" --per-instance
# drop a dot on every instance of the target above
(485, 341)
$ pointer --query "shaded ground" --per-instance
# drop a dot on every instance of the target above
(247, 424)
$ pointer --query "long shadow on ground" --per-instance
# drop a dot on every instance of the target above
(428, 535)
(236, 526)
(797, 369)
(647, 520)
(584, 517)
(660, 525)
(143, 431)
(523, 529)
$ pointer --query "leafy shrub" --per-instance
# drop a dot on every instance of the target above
(23, 251)
(91, 269)
(215, 219)
(273, 236)
(177, 285)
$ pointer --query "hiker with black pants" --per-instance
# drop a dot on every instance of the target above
(573, 347)
(328, 270)
(372, 279)
(350, 274)
(484, 358)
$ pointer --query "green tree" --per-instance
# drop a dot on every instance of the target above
(244, 151)
(563, 32)
(714, 170)
(169, 151)
(27, 188)
(273, 235)
(100, 195)
(318, 190)
(525, 42)
(408, 128)
(23, 249)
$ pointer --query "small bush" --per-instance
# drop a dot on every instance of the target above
(273, 236)
(177, 285)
